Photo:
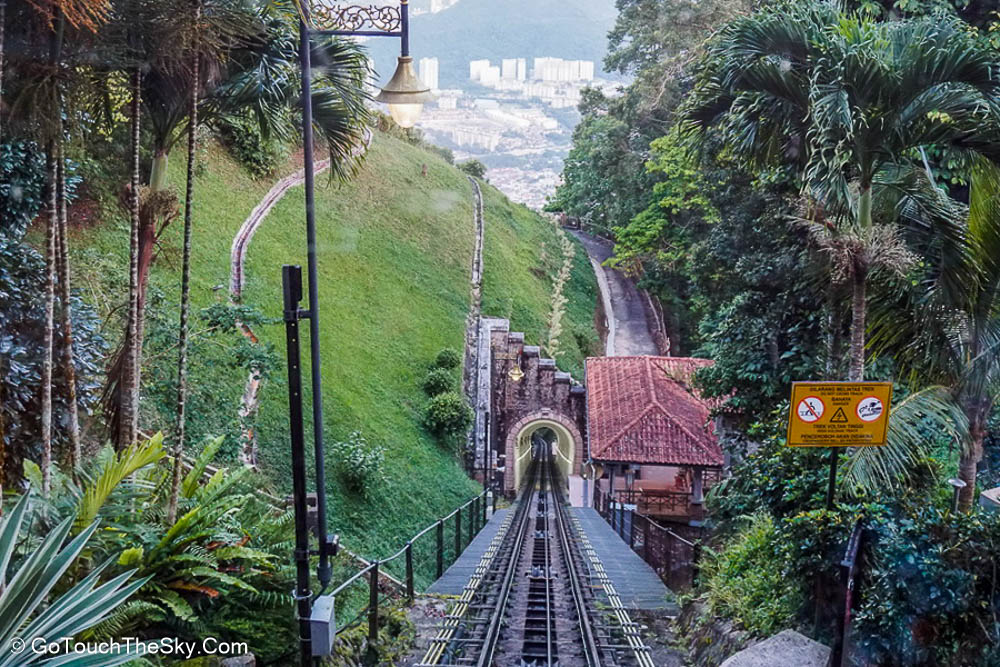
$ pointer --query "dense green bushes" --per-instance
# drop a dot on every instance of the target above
(931, 591)
(358, 463)
(242, 136)
(747, 582)
(473, 168)
(22, 322)
(448, 416)
(448, 358)
(438, 381)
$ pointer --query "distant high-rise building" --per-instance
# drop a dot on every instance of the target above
(489, 76)
(508, 68)
(429, 72)
(557, 69)
(476, 68)
(522, 69)
(539, 70)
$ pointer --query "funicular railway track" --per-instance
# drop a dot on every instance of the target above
(533, 599)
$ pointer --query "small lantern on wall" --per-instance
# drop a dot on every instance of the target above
(516, 374)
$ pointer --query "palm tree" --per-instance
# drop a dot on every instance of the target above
(66, 309)
(3, 33)
(847, 101)
(182, 355)
(51, 222)
(948, 330)
(44, 82)
(120, 398)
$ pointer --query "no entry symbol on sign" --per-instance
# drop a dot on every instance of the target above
(810, 409)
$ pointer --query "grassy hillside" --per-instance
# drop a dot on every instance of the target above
(394, 256)
(523, 256)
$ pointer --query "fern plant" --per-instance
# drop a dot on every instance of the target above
(216, 564)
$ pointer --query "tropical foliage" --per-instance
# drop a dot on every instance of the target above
(29, 613)
(811, 193)
(197, 575)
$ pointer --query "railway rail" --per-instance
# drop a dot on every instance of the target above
(539, 596)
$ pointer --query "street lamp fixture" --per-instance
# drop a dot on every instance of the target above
(405, 95)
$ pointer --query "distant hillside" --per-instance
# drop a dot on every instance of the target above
(523, 254)
(476, 29)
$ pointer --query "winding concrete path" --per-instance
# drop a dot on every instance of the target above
(237, 260)
(628, 327)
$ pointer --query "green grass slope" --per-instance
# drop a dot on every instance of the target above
(394, 251)
(522, 257)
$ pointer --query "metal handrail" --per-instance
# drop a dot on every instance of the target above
(373, 569)
(667, 530)
(602, 495)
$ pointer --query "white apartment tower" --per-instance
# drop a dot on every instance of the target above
(508, 68)
(489, 76)
(428, 72)
(476, 68)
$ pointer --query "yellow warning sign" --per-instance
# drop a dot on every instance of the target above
(839, 414)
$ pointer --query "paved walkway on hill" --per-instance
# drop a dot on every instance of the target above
(457, 576)
(636, 583)
(628, 330)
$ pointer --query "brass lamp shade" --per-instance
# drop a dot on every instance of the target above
(405, 93)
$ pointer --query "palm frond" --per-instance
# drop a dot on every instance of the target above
(116, 469)
(912, 422)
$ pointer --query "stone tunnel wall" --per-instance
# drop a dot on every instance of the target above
(504, 407)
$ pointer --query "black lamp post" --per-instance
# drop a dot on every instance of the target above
(405, 95)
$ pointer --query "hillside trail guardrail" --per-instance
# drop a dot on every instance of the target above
(422, 560)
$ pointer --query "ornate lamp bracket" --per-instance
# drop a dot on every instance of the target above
(363, 20)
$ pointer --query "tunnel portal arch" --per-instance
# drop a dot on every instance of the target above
(568, 450)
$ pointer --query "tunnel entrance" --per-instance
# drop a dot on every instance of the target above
(541, 437)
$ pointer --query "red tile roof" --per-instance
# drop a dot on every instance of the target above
(641, 410)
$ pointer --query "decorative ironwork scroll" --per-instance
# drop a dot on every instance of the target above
(356, 17)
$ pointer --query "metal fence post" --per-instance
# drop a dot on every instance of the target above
(440, 550)
(621, 520)
(373, 606)
(631, 531)
(473, 513)
(409, 571)
(458, 532)
(485, 503)
(645, 540)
